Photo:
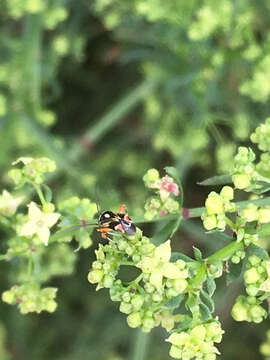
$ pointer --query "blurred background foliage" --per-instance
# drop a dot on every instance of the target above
(108, 89)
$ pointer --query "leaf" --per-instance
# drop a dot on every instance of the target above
(174, 302)
(191, 303)
(211, 286)
(234, 270)
(179, 256)
(197, 253)
(173, 172)
(167, 231)
(207, 300)
(184, 324)
(220, 235)
(217, 180)
(205, 312)
(48, 193)
(260, 252)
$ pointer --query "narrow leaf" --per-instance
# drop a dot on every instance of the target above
(48, 193)
(216, 180)
(174, 302)
(197, 253)
(205, 312)
(167, 231)
(179, 256)
(211, 286)
(260, 252)
(207, 300)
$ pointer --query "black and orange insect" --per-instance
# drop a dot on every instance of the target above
(119, 221)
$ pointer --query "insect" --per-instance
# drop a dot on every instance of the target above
(108, 221)
(120, 221)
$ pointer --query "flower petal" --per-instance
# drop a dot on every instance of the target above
(28, 229)
(34, 212)
(156, 278)
(51, 218)
(44, 234)
(170, 271)
(163, 251)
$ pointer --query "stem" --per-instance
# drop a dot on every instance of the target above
(230, 223)
(225, 253)
(140, 346)
(40, 194)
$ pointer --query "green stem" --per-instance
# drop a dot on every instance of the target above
(140, 346)
(40, 194)
(225, 253)
(230, 223)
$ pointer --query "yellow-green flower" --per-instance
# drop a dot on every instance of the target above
(158, 265)
(9, 204)
(39, 223)
(265, 286)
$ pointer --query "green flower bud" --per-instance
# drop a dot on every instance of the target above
(254, 260)
(214, 204)
(16, 176)
(241, 181)
(239, 312)
(250, 213)
(227, 192)
(126, 297)
(48, 207)
(175, 352)
(264, 215)
(180, 285)
(151, 176)
(137, 302)
(134, 320)
(235, 259)
(251, 276)
(257, 313)
(210, 222)
(8, 297)
(107, 281)
(51, 306)
(125, 308)
(252, 290)
(95, 276)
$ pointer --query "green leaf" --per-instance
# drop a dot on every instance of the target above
(264, 187)
(179, 256)
(211, 286)
(207, 300)
(205, 312)
(174, 302)
(48, 193)
(258, 251)
(191, 303)
(167, 231)
(234, 270)
(216, 180)
(173, 172)
(197, 253)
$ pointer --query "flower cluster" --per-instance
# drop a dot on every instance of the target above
(33, 170)
(216, 205)
(244, 174)
(143, 299)
(261, 136)
(248, 308)
(31, 298)
(255, 274)
(197, 342)
(162, 204)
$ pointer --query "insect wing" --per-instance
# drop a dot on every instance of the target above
(128, 226)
